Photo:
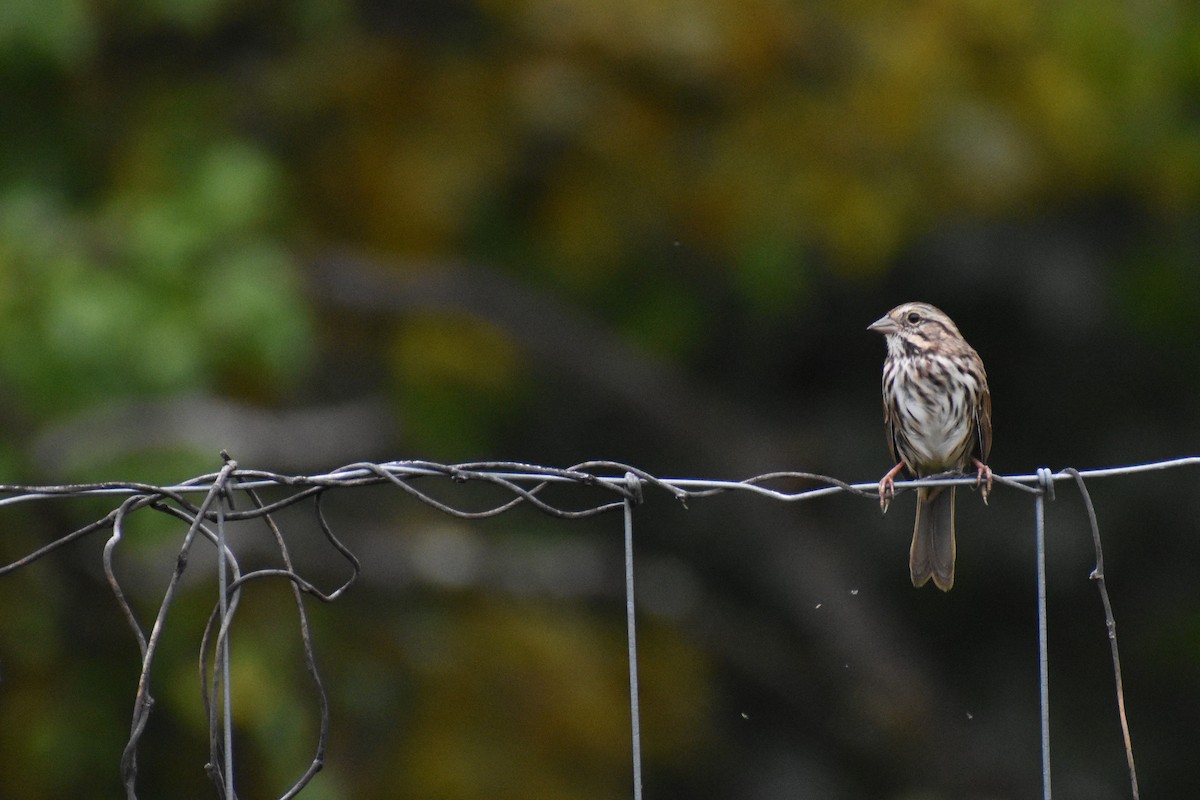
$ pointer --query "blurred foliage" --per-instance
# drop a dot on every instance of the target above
(734, 189)
(155, 293)
(525, 700)
(459, 378)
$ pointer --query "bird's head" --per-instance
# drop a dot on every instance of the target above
(915, 327)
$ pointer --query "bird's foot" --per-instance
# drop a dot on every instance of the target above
(887, 487)
(983, 476)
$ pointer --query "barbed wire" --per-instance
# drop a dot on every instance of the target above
(235, 494)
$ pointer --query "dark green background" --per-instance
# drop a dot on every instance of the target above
(654, 231)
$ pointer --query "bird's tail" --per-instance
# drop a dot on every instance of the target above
(932, 551)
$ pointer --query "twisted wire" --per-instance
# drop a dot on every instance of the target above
(615, 486)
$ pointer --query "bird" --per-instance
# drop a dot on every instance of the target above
(937, 410)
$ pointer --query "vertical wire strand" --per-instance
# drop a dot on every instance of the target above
(1111, 625)
(634, 713)
(1043, 653)
(223, 655)
(506, 475)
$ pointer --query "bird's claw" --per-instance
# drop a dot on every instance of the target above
(887, 490)
(887, 487)
(983, 478)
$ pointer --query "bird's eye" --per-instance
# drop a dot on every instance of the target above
(913, 318)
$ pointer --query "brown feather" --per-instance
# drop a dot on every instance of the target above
(937, 411)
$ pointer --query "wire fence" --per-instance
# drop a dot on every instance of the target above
(208, 503)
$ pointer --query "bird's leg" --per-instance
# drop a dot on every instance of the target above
(982, 471)
(887, 487)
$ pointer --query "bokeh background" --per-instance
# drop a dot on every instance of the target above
(324, 231)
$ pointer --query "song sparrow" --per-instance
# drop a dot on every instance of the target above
(938, 414)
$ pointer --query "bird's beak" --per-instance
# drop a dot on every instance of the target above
(884, 325)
